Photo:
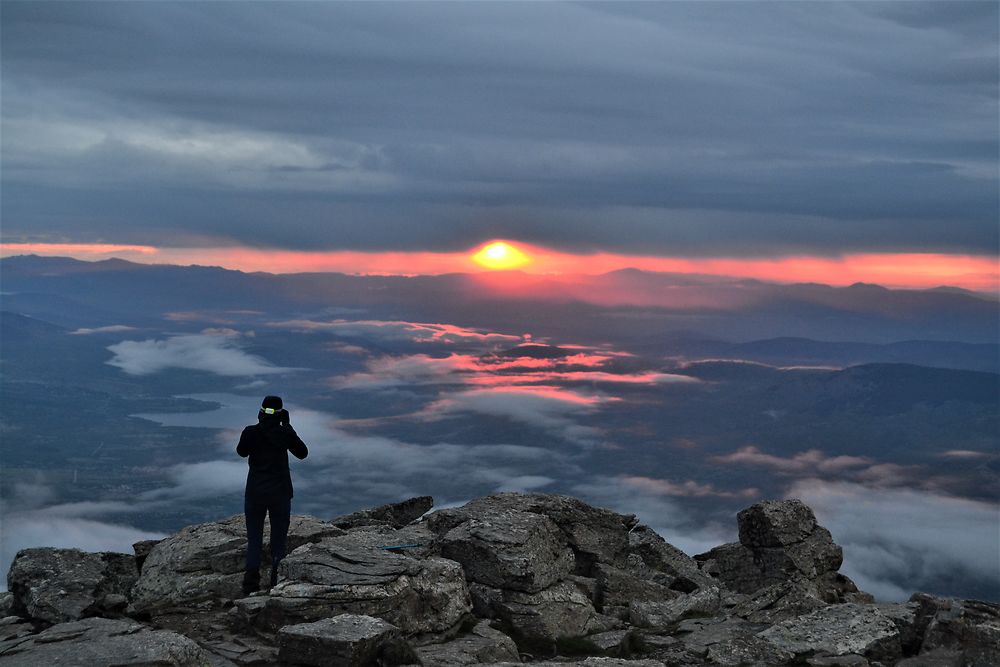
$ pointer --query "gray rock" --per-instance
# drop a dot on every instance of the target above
(57, 585)
(703, 602)
(698, 635)
(394, 515)
(142, 549)
(335, 577)
(203, 565)
(837, 661)
(664, 557)
(971, 626)
(510, 549)
(102, 641)
(747, 650)
(595, 534)
(939, 657)
(746, 570)
(613, 643)
(348, 640)
(537, 620)
(591, 662)
(482, 644)
(838, 630)
(415, 541)
(780, 541)
(779, 602)
(600, 623)
(775, 523)
(6, 604)
(906, 616)
(835, 587)
(617, 589)
(12, 627)
(212, 630)
(484, 600)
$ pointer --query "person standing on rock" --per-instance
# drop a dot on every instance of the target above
(269, 485)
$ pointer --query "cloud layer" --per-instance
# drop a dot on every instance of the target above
(898, 539)
(213, 352)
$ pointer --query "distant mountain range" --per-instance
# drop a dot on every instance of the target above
(675, 315)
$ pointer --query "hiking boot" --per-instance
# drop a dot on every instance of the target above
(251, 582)
(274, 575)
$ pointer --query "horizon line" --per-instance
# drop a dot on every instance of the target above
(906, 271)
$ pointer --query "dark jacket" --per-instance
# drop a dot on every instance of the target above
(267, 443)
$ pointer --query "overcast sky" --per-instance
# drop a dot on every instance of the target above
(677, 128)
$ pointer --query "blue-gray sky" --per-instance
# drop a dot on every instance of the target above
(752, 128)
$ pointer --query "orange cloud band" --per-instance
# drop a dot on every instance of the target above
(901, 270)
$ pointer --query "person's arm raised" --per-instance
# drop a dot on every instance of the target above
(295, 444)
(243, 448)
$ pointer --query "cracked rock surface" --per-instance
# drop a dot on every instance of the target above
(506, 579)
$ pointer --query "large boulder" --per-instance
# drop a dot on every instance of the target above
(775, 523)
(203, 565)
(839, 630)
(336, 576)
(57, 585)
(348, 640)
(394, 515)
(538, 620)
(594, 534)
(509, 549)
(102, 641)
(781, 541)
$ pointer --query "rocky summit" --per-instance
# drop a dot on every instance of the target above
(505, 579)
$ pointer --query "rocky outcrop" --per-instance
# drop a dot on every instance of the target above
(502, 580)
(511, 549)
(203, 565)
(780, 541)
(593, 534)
(57, 585)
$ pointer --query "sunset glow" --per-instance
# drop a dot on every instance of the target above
(500, 256)
(899, 270)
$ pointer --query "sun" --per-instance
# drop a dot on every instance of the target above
(500, 255)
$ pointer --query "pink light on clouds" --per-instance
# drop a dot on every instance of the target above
(79, 250)
(687, 489)
(902, 270)
(583, 376)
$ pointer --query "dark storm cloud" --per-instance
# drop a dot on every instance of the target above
(689, 128)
